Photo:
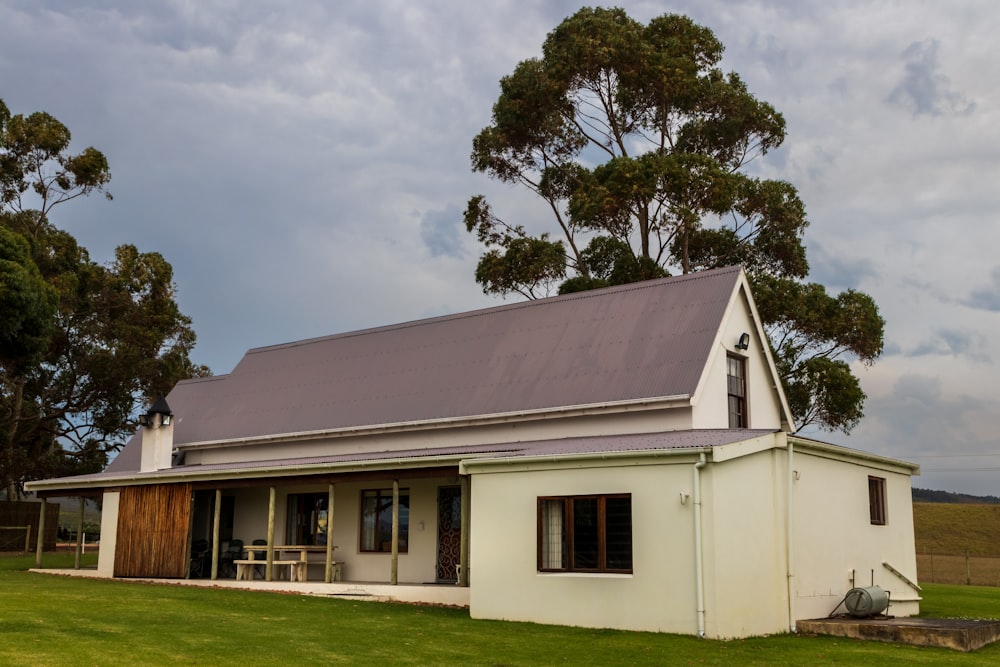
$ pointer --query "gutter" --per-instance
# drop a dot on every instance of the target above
(468, 466)
(237, 473)
(699, 575)
(841, 453)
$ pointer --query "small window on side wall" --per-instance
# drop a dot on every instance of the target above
(876, 500)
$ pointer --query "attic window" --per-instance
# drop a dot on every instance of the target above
(737, 388)
(876, 500)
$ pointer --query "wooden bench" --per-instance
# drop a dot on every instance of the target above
(296, 568)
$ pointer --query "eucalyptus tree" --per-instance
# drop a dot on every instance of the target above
(82, 345)
(639, 147)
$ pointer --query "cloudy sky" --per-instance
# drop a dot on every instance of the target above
(304, 165)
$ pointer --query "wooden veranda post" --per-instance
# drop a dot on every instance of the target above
(328, 576)
(463, 549)
(41, 534)
(395, 532)
(216, 528)
(268, 569)
(79, 535)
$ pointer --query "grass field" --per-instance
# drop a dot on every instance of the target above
(945, 533)
(53, 620)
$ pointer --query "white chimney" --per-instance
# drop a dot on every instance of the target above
(157, 437)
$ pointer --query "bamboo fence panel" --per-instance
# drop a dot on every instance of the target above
(153, 524)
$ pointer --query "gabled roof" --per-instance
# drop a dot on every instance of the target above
(648, 340)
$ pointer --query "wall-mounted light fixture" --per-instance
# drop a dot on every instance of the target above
(161, 408)
(744, 341)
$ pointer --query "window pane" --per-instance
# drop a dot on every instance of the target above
(586, 535)
(618, 526)
(553, 538)
(876, 500)
(376, 520)
(369, 519)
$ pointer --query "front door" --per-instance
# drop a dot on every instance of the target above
(449, 526)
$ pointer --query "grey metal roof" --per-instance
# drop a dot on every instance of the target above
(644, 340)
(643, 442)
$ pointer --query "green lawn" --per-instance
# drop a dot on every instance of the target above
(53, 620)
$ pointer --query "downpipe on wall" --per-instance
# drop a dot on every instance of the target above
(698, 574)
(789, 538)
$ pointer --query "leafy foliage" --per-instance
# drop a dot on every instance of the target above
(82, 345)
(638, 144)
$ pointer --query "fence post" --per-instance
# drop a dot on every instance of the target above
(968, 570)
(27, 538)
(41, 533)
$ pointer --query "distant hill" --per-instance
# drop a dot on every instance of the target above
(954, 527)
(929, 496)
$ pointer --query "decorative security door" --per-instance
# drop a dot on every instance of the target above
(449, 532)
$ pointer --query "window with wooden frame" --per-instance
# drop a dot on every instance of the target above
(736, 376)
(585, 533)
(376, 520)
(876, 500)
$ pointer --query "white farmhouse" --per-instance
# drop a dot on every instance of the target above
(618, 458)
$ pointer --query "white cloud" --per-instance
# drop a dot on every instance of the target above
(300, 164)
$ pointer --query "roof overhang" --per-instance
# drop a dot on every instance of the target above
(841, 453)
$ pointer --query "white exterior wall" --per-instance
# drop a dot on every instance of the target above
(634, 420)
(506, 584)
(711, 409)
(834, 536)
(744, 545)
(109, 534)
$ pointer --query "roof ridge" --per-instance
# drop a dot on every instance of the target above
(530, 303)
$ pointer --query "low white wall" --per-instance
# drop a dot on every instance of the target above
(506, 584)
(835, 539)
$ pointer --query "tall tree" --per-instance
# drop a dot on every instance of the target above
(82, 345)
(637, 143)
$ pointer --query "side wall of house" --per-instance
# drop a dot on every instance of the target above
(505, 582)
(744, 545)
(836, 544)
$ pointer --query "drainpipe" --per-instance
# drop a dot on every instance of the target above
(699, 576)
(789, 540)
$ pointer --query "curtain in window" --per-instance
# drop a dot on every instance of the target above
(552, 534)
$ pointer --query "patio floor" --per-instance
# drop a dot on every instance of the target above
(413, 593)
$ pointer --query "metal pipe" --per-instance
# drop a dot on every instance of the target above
(790, 538)
(699, 576)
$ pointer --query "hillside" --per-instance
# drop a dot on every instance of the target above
(951, 528)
